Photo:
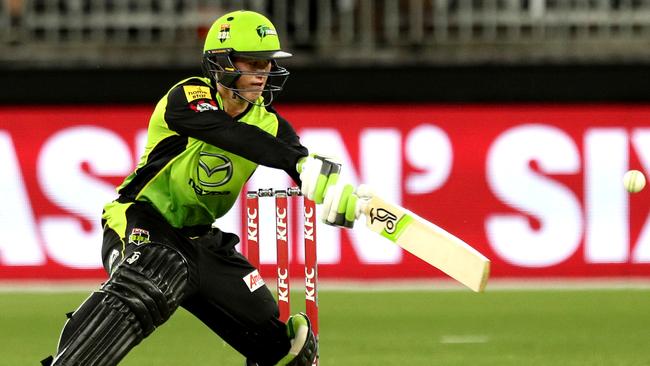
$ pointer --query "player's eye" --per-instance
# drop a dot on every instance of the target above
(261, 64)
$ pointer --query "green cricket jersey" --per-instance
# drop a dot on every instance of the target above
(197, 157)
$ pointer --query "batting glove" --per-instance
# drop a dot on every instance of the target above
(343, 204)
(317, 174)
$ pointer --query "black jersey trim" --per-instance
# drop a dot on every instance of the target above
(158, 158)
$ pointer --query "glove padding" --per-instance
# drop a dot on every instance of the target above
(317, 174)
(342, 204)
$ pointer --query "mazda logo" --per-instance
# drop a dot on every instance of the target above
(214, 170)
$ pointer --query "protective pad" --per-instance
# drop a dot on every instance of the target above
(103, 338)
(152, 282)
(142, 293)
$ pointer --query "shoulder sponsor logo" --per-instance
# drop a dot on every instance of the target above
(253, 280)
(204, 105)
(194, 92)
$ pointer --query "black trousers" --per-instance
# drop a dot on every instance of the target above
(245, 317)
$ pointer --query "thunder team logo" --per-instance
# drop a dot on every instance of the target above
(264, 31)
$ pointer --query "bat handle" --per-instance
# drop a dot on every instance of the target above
(365, 194)
(365, 191)
(362, 207)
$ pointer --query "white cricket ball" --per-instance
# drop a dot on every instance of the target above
(634, 181)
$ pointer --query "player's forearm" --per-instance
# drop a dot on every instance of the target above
(248, 142)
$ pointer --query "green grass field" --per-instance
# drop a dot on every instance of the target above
(549, 327)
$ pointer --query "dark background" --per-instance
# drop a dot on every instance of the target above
(625, 83)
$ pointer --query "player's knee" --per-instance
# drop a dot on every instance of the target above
(152, 282)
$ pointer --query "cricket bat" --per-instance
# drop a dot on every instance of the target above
(427, 241)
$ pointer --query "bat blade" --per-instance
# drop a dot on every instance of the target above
(428, 242)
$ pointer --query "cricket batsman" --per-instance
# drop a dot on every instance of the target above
(206, 137)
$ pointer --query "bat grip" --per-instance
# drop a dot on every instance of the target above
(365, 194)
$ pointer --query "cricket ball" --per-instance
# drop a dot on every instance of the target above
(634, 181)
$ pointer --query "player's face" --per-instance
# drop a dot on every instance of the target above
(252, 84)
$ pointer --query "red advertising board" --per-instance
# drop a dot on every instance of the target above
(537, 188)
